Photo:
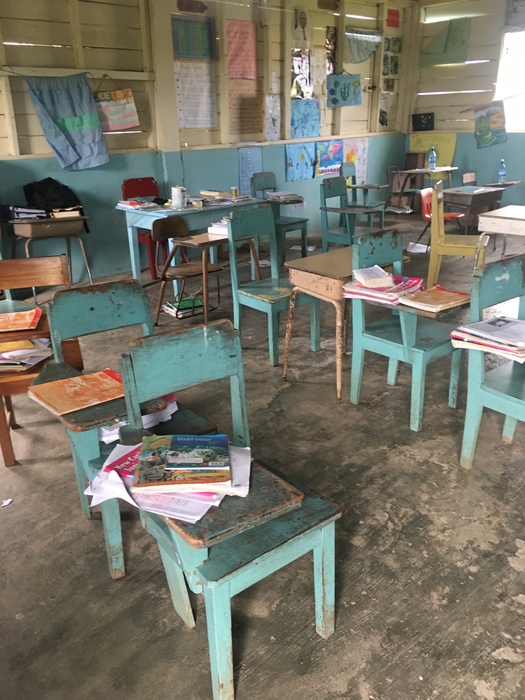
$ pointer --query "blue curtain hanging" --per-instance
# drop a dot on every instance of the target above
(70, 121)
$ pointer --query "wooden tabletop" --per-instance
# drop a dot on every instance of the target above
(336, 264)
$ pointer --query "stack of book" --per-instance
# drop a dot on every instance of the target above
(19, 213)
(502, 336)
(390, 295)
(179, 476)
(186, 307)
(435, 299)
(21, 355)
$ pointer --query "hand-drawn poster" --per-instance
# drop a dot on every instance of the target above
(241, 49)
(356, 152)
(250, 162)
(306, 118)
(489, 121)
(273, 118)
(196, 94)
(193, 37)
(300, 161)
(444, 143)
(343, 90)
(329, 157)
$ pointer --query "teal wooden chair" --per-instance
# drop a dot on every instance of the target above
(244, 540)
(261, 184)
(270, 295)
(75, 313)
(338, 222)
(359, 195)
(403, 335)
(501, 388)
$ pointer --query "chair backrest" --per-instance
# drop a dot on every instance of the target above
(347, 170)
(393, 178)
(27, 273)
(437, 224)
(170, 227)
(263, 182)
(254, 223)
(469, 179)
(140, 187)
(495, 283)
(82, 311)
(178, 360)
(426, 203)
(384, 247)
(329, 188)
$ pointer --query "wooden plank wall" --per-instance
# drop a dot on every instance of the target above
(467, 85)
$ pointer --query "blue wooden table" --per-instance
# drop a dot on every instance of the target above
(197, 219)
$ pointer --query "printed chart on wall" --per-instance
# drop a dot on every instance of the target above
(445, 145)
(250, 162)
(356, 152)
(196, 94)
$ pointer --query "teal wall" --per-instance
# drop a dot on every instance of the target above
(99, 190)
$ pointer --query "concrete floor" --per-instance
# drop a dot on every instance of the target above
(430, 558)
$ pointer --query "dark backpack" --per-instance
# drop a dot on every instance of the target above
(50, 194)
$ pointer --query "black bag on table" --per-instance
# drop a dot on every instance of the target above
(50, 194)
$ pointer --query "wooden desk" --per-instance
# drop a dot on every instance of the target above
(508, 220)
(12, 383)
(197, 219)
(366, 189)
(472, 199)
(428, 173)
(322, 276)
(203, 241)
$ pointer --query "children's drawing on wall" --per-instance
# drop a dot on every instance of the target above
(306, 118)
(489, 121)
(301, 85)
(330, 45)
(301, 30)
(300, 161)
(356, 151)
(343, 90)
(329, 157)
(396, 44)
(394, 64)
(383, 111)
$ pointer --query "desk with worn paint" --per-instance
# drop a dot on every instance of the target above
(428, 173)
(322, 276)
(510, 221)
(472, 198)
(197, 219)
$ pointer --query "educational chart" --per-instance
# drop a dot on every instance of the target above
(193, 38)
(356, 152)
(241, 52)
(196, 94)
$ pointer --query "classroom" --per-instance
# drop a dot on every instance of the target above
(416, 588)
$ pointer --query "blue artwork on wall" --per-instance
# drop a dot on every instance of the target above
(306, 119)
(343, 90)
(300, 161)
(329, 157)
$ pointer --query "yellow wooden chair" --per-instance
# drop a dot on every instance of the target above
(447, 244)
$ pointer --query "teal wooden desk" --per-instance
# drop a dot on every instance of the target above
(197, 220)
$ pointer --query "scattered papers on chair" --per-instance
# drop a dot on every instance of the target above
(502, 336)
(435, 299)
(374, 277)
(417, 248)
(116, 476)
(167, 461)
(389, 295)
(18, 356)
(20, 320)
(111, 433)
(75, 393)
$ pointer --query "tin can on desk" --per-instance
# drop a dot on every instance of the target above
(234, 191)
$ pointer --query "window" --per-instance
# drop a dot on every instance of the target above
(510, 86)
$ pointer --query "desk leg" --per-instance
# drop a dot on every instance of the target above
(133, 243)
(205, 255)
(288, 338)
(338, 347)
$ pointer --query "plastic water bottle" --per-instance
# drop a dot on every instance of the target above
(432, 159)
(502, 172)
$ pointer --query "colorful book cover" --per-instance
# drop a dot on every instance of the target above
(75, 393)
(168, 460)
(20, 320)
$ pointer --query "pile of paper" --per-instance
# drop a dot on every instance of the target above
(20, 355)
(502, 336)
(110, 433)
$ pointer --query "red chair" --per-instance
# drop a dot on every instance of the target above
(426, 211)
(145, 187)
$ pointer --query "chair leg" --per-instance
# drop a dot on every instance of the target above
(423, 232)
(304, 240)
(391, 375)
(218, 619)
(273, 337)
(324, 581)
(358, 360)
(417, 394)
(455, 372)
(178, 588)
(159, 303)
(289, 327)
(11, 418)
(325, 245)
(315, 325)
(470, 431)
(508, 428)
(434, 265)
(5, 438)
(83, 251)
